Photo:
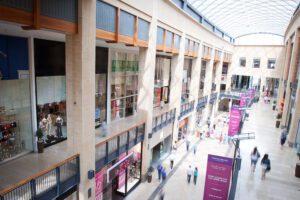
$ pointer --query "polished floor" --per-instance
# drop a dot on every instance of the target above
(280, 183)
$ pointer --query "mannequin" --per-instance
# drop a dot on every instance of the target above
(49, 125)
(59, 122)
(43, 125)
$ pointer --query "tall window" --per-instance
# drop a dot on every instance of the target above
(271, 63)
(186, 80)
(202, 77)
(256, 62)
(242, 62)
(124, 84)
(162, 80)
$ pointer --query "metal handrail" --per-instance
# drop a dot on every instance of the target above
(50, 178)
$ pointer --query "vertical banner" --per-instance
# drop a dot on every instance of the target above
(99, 184)
(243, 100)
(218, 176)
(234, 121)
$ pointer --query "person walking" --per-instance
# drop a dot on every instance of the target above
(255, 155)
(161, 194)
(283, 137)
(189, 174)
(266, 165)
(187, 140)
(172, 158)
(195, 148)
(159, 169)
(195, 175)
(163, 174)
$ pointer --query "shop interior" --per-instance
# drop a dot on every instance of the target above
(15, 114)
(186, 80)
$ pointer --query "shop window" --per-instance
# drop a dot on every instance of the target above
(15, 115)
(124, 84)
(271, 63)
(256, 62)
(162, 80)
(242, 62)
(51, 90)
(100, 85)
(186, 80)
(202, 77)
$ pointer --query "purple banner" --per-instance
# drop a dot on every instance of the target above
(243, 100)
(218, 176)
(234, 121)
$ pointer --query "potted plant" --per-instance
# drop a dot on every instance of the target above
(149, 174)
(278, 117)
(40, 142)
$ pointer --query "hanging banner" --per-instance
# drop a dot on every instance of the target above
(99, 184)
(243, 100)
(234, 121)
(218, 176)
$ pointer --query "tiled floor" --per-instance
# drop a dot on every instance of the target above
(279, 184)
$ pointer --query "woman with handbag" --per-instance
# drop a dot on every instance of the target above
(266, 165)
(255, 155)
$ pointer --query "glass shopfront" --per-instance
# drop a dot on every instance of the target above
(162, 80)
(51, 90)
(119, 177)
(186, 80)
(15, 115)
(100, 81)
(124, 84)
(183, 129)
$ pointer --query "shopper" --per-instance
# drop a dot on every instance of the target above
(195, 148)
(195, 175)
(187, 140)
(254, 158)
(163, 174)
(159, 169)
(175, 145)
(172, 158)
(283, 137)
(266, 165)
(161, 194)
(189, 174)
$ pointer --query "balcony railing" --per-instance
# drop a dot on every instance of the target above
(163, 120)
(213, 98)
(48, 184)
(201, 103)
(186, 108)
(110, 149)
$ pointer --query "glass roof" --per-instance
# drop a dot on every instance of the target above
(242, 17)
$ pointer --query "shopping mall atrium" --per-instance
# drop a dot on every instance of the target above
(149, 99)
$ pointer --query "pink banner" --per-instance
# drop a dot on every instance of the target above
(234, 121)
(243, 100)
(99, 184)
(217, 180)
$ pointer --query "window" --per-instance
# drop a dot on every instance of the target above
(256, 62)
(124, 84)
(186, 80)
(242, 62)
(271, 63)
(162, 79)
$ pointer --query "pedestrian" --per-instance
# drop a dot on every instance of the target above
(175, 145)
(254, 158)
(172, 158)
(266, 165)
(189, 174)
(161, 194)
(195, 148)
(195, 175)
(159, 169)
(283, 137)
(187, 140)
(163, 174)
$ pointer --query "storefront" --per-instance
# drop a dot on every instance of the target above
(120, 176)
(50, 78)
(161, 150)
(183, 129)
(16, 135)
(162, 80)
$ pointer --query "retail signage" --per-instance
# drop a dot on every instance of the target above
(218, 176)
(234, 121)
(118, 167)
(243, 100)
(99, 184)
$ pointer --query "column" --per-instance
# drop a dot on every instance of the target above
(218, 81)
(176, 84)
(146, 90)
(80, 84)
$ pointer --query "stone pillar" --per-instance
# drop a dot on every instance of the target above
(176, 84)
(147, 58)
(285, 69)
(218, 81)
(80, 85)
